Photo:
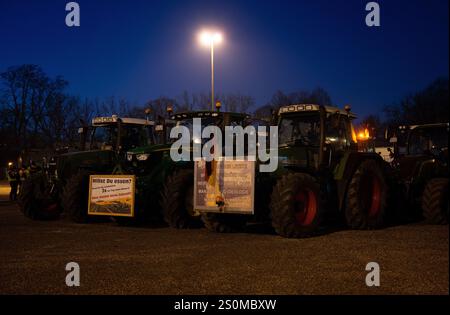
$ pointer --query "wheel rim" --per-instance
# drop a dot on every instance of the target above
(305, 207)
(51, 208)
(44, 201)
(370, 194)
(375, 205)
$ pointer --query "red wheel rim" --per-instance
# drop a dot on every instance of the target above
(51, 208)
(375, 205)
(305, 207)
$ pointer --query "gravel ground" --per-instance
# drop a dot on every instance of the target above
(158, 260)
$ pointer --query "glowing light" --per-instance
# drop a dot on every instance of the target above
(364, 135)
(354, 137)
(207, 38)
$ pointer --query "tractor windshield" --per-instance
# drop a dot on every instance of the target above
(134, 136)
(206, 121)
(428, 140)
(301, 130)
(104, 137)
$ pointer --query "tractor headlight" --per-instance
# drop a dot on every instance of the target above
(142, 157)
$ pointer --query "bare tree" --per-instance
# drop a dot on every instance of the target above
(184, 102)
(426, 106)
(29, 95)
(263, 112)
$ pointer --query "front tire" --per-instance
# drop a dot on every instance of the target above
(366, 198)
(75, 197)
(435, 203)
(177, 201)
(297, 208)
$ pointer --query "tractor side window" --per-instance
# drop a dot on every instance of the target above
(285, 130)
(346, 126)
(159, 134)
(337, 133)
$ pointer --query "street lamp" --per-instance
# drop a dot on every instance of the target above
(209, 39)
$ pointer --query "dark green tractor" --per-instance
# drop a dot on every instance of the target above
(177, 194)
(321, 177)
(62, 184)
(150, 164)
(421, 165)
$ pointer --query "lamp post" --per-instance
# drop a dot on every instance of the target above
(209, 39)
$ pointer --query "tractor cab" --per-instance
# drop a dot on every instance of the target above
(220, 119)
(117, 134)
(424, 149)
(313, 136)
(421, 168)
(209, 118)
(104, 143)
(430, 140)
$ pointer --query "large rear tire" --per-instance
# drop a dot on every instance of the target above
(36, 200)
(435, 203)
(75, 197)
(177, 201)
(297, 208)
(366, 200)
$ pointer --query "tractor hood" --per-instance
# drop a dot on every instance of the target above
(99, 160)
(145, 153)
(148, 149)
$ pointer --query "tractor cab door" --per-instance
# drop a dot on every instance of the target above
(338, 138)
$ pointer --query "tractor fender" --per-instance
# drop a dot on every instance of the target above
(345, 169)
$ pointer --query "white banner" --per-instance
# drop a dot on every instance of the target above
(111, 195)
(224, 186)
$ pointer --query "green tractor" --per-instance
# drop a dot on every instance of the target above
(62, 184)
(321, 174)
(321, 177)
(177, 193)
(150, 164)
(421, 166)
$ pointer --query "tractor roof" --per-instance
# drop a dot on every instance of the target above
(312, 108)
(98, 121)
(424, 126)
(206, 113)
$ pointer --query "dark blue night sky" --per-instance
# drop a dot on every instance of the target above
(146, 49)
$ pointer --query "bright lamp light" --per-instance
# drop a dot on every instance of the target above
(208, 38)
